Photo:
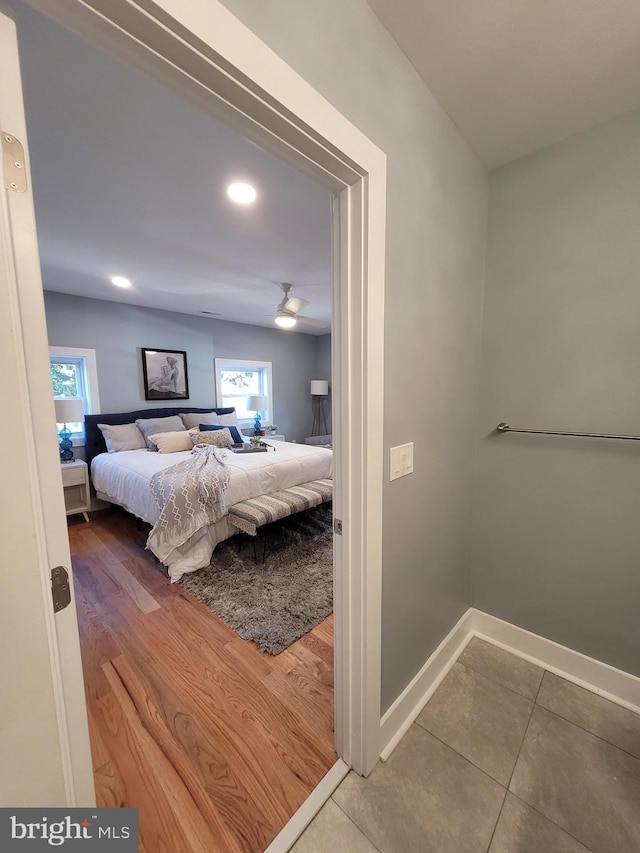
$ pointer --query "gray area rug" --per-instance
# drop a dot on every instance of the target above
(275, 602)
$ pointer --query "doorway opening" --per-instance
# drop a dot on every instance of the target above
(295, 123)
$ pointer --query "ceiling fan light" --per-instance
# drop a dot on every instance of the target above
(285, 320)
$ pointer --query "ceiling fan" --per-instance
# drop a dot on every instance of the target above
(287, 316)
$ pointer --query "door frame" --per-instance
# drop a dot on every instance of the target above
(202, 51)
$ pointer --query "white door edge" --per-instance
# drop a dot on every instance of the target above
(41, 464)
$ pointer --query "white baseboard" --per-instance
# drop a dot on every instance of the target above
(601, 678)
(400, 716)
(290, 833)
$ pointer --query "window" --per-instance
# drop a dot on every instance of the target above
(238, 379)
(74, 374)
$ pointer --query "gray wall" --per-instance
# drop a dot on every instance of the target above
(118, 331)
(557, 532)
(436, 225)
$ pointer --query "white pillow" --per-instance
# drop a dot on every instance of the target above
(119, 437)
(193, 419)
(153, 426)
(172, 442)
(227, 420)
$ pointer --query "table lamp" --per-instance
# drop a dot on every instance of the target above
(69, 410)
(257, 404)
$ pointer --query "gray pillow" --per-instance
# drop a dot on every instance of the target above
(193, 419)
(150, 426)
(228, 420)
(218, 438)
(119, 437)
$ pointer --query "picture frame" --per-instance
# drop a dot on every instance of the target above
(165, 374)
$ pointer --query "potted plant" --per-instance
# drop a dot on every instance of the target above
(272, 429)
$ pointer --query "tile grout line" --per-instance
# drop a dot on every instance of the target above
(535, 700)
(513, 769)
(533, 707)
(460, 755)
(494, 681)
(351, 820)
(582, 728)
(491, 678)
(557, 825)
(546, 817)
(495, 826)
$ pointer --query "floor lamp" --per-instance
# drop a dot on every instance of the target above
(319, 390)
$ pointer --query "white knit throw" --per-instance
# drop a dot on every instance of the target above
(190, 496)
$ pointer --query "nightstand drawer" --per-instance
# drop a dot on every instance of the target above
(73, 475)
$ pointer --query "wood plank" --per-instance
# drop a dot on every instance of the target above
(298, 692)
(110, 792)
(118, 573)
(97, 645)
(320, 648)
(199, 756)
(194, 798)
(169, 817)
(99, 753)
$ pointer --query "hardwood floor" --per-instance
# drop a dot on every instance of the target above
(216, 743)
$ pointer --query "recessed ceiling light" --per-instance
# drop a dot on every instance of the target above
(285, 321)
(120, 281)
(242, 193)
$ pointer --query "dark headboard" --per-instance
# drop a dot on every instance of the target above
(95, 440)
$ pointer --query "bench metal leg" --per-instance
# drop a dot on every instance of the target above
(242, 537)
(255, 550)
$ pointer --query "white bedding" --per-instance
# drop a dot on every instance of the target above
(124, 478)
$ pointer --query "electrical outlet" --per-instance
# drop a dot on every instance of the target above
(401, 461)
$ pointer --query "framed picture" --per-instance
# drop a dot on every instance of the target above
(165, 374)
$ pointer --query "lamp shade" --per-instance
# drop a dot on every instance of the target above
(69, 410)
(257, 403)
(319, 387)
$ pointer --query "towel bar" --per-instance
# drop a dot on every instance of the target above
(504, 427)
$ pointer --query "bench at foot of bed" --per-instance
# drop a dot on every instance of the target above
(254, 513)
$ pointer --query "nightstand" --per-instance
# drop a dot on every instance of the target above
(275, 437)
(75, 482)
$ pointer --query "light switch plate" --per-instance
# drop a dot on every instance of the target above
(401, 461)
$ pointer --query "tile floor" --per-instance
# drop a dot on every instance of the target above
(504, 758)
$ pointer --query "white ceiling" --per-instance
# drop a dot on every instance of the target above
(518, 75)
(129, 179)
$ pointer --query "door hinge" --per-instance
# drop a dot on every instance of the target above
(60, 589)
(337, 526)
(13, 165)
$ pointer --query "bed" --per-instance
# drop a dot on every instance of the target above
(124, 478)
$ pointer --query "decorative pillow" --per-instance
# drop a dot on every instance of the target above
(236, 435)
(119, 437)
(193, 419)
(218, 438)
(151, 426)
(228, 420)
(172, 442)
